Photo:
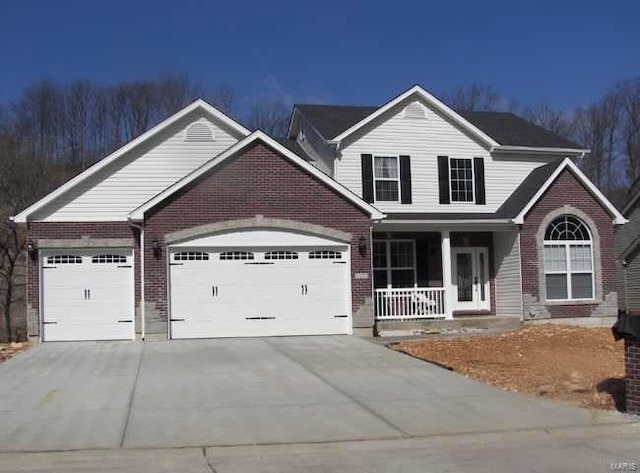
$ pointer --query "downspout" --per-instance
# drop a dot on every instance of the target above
(142, 299)
(626, 289)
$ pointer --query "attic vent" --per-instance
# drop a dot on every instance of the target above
(415, 110)
(199, 132)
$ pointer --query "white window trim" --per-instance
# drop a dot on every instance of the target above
(397, 179)
(388, 268)
(568, 272)
(473, 183)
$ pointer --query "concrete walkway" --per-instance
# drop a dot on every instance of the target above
(197, 393)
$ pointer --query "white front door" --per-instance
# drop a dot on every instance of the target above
(87, 295)
(470, 278)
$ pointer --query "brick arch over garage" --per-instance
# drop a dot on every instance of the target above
(256, 223)
(256, 182)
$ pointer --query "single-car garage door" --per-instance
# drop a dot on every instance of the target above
(87, 295)
(253, 291)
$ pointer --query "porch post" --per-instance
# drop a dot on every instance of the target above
(446, 274)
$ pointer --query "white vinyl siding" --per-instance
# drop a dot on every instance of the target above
(424, 140)
(506, 248)
(147, 170)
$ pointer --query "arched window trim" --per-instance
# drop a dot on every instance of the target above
(568, 263)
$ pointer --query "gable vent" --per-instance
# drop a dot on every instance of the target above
(415, 110)
(199, 132)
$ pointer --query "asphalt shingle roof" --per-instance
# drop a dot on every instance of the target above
(519, 198)
(331, 120)
(511, 130)
(506, 128)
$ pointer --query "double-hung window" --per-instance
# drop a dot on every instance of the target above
(461, 179)
(568, 260)
(394, 263)
(386, 176)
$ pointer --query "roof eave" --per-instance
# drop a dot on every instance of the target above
(538, 150)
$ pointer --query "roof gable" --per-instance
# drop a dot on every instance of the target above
(104, 167)
(618, 218)
(257, 136)
(431, 102)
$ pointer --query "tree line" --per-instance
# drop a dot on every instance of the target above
(54, 131)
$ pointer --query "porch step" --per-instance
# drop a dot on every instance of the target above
(490, 323)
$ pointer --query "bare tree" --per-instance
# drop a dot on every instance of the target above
(175, 92)
(628, 95)
(473, 97)
(557, 121)
(79, 99)
(12, 245)
(269, 115)
(39, 115)
(223, 98)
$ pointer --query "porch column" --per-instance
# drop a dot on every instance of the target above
(446, 274)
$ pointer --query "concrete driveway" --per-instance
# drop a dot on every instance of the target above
(222, 392)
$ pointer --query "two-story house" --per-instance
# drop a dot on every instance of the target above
(408, 211)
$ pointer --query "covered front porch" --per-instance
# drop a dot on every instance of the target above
(428, 274)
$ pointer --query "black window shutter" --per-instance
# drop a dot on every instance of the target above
(443, 179)
(478, 172)
(367, 177)
(405, 179)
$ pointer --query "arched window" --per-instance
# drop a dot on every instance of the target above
(568, 259)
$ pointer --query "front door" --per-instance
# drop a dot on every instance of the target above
(470, 278)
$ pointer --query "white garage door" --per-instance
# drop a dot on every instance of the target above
(259, 292)
(87, 295)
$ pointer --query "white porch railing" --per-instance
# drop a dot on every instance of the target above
(410, 303)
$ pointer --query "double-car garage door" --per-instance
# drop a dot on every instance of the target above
(259, 292)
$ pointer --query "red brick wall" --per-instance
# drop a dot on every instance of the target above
(73, 231)
(258, 182)
(632, 366)
(567, 191)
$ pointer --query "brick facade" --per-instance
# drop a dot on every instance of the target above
(568, 196)
(632, 367)
(257, 182)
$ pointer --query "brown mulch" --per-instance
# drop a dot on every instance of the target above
(578, 365)
(8, 350)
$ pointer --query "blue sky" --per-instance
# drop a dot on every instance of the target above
(565, 52)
